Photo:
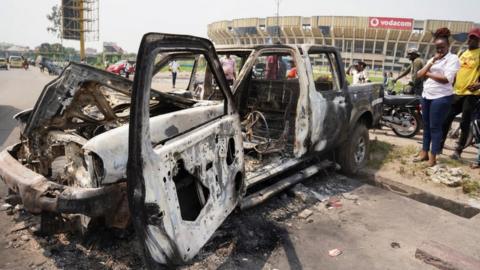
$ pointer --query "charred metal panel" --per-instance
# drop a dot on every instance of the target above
(59, 92)
(112, 146)
(175, 238)
(39, 194)
(168, 239)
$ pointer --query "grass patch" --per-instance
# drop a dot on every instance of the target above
(471, 187)
(451, 162)
(398, 88)
(382, 153)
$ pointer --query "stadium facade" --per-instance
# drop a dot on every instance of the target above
(381, 42)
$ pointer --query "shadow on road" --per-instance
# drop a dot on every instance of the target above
(7, 123)
(247, 239)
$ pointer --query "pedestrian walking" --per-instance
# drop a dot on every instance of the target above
(126, 69)
(437, 95)
(467, 91)
(174, 67)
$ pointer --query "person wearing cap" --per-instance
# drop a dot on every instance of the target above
(358, 73)
(466, 90)
(415, 85)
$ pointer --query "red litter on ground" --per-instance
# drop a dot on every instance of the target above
(333, 203)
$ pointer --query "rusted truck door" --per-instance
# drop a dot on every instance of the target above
(181, 188)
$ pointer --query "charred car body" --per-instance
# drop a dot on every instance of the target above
(187, 158)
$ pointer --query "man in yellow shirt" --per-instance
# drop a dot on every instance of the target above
(467, 90)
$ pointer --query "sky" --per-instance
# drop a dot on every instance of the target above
(24, 22)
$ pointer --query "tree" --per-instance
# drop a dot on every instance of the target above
(55, 21)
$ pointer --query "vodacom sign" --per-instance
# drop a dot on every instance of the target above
(390, 23)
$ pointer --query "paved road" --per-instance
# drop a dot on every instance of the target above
(272, 235)
(19, 89)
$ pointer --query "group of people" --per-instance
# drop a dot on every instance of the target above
(448, 83)
(451, 85)
(276, 68)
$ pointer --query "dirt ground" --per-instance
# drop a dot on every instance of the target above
(392, 158)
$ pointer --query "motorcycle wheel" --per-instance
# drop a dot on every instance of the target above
(415, 124)
(455, 132)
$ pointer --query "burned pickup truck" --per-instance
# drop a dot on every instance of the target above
(184, 158)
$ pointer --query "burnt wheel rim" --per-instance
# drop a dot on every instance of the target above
(360, 151)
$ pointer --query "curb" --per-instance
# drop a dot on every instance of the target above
(454, 207)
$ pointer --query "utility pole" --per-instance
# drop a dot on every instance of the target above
(82, 36)
(278, 20)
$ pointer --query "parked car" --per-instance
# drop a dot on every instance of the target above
(119, 67)
(3, 63)
(186, 162)
(15, 62)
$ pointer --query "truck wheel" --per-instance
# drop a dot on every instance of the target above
(353, 153)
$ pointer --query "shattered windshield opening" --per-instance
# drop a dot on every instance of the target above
(185, 74)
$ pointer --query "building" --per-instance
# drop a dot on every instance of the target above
(380, 42)
(7, 50)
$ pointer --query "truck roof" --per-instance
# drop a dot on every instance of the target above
(301, 47)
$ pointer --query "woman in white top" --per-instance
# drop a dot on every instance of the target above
(437, 96)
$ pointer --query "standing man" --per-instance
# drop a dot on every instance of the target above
(174, 67)
(229, 68)
(466, 89)
(358, 72)
(415, 85)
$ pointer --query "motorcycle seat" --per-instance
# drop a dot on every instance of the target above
(401, 100)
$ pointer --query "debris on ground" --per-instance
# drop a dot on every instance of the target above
(350, 196)
(17, 208)
(20, 226)
(5, 206)
(320, 197)
(333, 202)
(452, 177)
(395, 245)
(302, 193)
(334, 252)
(24, 238)
(305, 214)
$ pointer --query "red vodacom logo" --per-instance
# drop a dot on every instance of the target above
(390, 23)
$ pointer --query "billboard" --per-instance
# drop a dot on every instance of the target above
(71, 19)
(390, 23)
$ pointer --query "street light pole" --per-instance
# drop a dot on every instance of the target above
(278, 20)
(82, 37)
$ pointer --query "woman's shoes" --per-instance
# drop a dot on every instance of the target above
(432, 159)
(426, 156)
(422, 156)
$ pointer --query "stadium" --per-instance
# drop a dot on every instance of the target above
(380, 42)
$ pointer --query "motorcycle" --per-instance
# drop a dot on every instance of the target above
(402, 113)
